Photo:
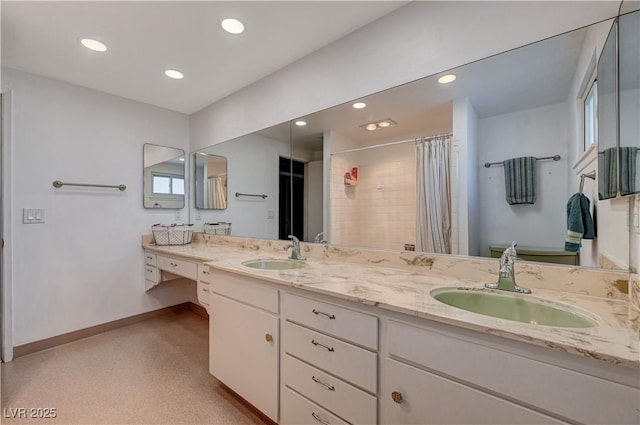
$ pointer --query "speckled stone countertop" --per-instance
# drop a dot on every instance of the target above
(403, 282)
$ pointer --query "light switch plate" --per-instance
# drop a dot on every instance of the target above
(32, 215)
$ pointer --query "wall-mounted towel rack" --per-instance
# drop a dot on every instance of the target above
(58, 184)
(554, 157)
(591, 175)
(238, 194)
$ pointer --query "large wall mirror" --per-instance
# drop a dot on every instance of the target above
(353, 168)
(163, 177)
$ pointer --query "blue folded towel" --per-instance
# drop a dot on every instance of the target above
(628, 170)
(579, 222)
(519, 180)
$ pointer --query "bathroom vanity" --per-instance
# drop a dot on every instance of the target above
(344, 339)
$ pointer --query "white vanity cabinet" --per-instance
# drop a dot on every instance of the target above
(329, 363)
(244, 338)
(204, 286)
(438, 375)
(151, 273)
(162, 267)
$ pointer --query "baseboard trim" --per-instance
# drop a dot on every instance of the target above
(33, 347)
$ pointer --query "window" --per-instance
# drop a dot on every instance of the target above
(591, 116)
(168, 184)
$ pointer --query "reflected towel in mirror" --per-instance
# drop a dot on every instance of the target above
(519, 180)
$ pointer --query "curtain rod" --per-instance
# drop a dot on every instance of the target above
(382, 145)
(554, 157)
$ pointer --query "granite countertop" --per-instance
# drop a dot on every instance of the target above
(407, 290)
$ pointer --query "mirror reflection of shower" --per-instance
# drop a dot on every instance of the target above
(210, 181)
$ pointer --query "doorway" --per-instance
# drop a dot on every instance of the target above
(291, 202)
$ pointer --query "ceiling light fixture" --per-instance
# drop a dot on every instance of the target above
(232, 26)
(446, 79)
(301, 123)
(359, 105)
(377, 125)
(172, 73)
(95, 45)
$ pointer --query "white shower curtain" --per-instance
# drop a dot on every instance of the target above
(215, 198)
(434, 194)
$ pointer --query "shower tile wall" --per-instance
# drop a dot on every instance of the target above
(380, 212)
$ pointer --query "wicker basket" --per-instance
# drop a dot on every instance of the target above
(220, 228)
(172, 235)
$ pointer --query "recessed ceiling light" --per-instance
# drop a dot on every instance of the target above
(371, 127)
(446, 79)
(94, 45)
(172, 73)
(384, 124)
(232, 26)
(301, 123)
(359, 105)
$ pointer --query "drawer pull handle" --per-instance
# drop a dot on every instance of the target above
(268, 337)
(397, 397)
(173, 265)
(205, 272)
(318, 312)
(149, 271)
(149, 258)
(317, 344)
(317, 418)
(205, 290)
(319, 382)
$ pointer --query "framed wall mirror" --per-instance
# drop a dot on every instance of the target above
(210, 183)
(163, 177)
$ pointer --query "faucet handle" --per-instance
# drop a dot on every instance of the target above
(294, 239)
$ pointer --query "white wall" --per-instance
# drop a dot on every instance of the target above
(83, 266)
(252, 167)
(419, 39)
(543, 224)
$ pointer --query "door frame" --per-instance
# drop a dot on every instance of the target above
(6, 292)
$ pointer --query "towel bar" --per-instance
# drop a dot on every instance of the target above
(554, 157)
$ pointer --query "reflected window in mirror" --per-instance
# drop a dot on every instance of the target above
(163, 177)
(590, 117)
(210, 181)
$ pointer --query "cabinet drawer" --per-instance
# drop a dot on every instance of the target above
(150, 258)
(296, 410)
(203, 292)
(536, 383)
(350, 325)
(179, 267)
(245, 289)
(326, 390)
(351, 363)
(151, 273)
(422, 397)
(204, 274)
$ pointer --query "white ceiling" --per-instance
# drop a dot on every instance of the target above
(146, 37)
(535, 75)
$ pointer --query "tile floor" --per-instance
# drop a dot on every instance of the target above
(153, 372)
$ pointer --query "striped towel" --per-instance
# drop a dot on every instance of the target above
(519, 180)
(607, 174)
(628, 170)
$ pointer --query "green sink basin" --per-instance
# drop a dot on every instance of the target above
(274, 264)
(516, 308)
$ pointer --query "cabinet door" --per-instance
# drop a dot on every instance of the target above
(243, 352)
(414, 396)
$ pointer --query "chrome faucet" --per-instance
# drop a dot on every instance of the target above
(319, 238)
(507, 275)
(295, 249)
